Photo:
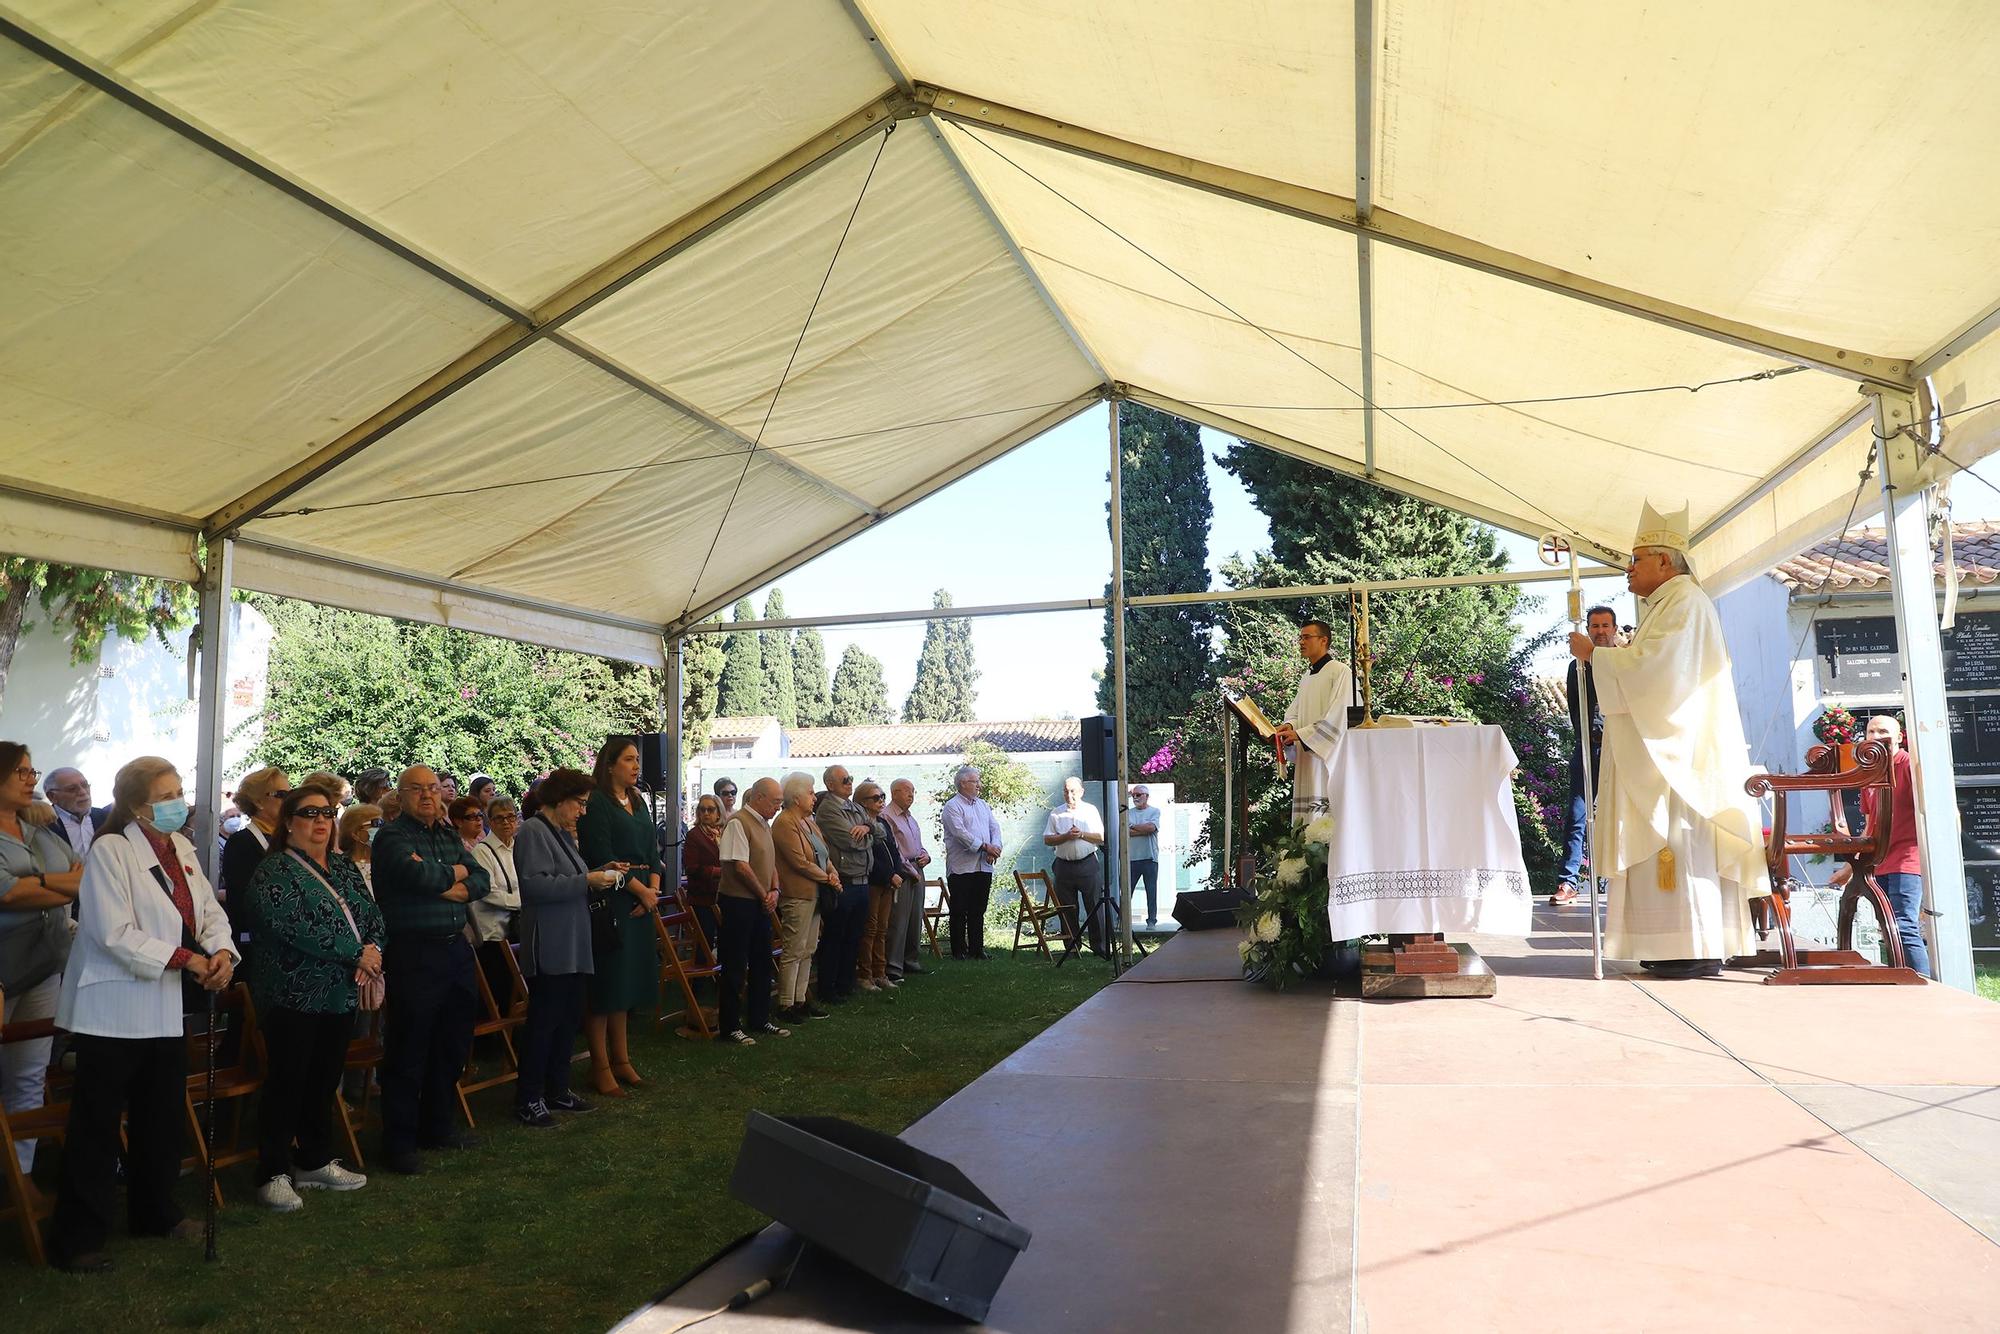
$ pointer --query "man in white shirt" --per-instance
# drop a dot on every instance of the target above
(1076, 831)
(1143, 829)
(971, 846)
(76, 819)
(1316, 721)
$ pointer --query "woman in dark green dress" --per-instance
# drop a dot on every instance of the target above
(616, 828)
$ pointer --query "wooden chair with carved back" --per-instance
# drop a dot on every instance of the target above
(1860, 853)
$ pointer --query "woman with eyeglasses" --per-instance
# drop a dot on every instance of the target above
(260, 794)
(320, 937)
(146, 918)
(357, 840)
(493, 916)
(39, 877)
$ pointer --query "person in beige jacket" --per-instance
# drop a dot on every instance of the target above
(804, 867)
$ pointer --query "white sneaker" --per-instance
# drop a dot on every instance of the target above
(278, 1196)
(331, 1177)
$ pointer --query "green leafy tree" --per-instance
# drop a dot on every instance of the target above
(1450, 651)
(780, 692)
(742, 693)
(860, 696)
(1168, 672)
(701, 674)
(346, 691)
(809, 679)
(87, 605)
(943, 689)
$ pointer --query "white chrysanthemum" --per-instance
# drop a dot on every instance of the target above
(1320, 830)
(1291, 871)
(1243, 948)
(1267, 928)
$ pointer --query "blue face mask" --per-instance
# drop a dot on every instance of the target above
(169, 816)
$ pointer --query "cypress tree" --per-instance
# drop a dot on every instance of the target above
(860, 695)
(780, 691)
(1166, 518)
(809, 683)
(943, 689)
(742, 689)
(701, 672)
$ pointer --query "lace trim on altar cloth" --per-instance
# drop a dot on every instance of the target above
(1463, 883)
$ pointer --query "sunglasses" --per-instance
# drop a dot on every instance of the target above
(314, 813)
(374, 824)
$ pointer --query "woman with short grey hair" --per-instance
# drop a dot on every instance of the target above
(804, 869)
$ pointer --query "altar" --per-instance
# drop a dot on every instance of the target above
(1425, 837)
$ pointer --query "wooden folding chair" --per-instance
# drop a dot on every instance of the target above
(233, 1083)
(1035, 917)
(685, 955)
(936, 915)
(495, 1021)
(25, 1204)
(364, 1054)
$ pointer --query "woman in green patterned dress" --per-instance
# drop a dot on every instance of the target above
(319, 932)
(616, 828)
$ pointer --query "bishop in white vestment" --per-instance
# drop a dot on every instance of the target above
(1677, 837)
(1316, 721)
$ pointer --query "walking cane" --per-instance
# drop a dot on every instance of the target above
(1553, 547)
(208, 1135)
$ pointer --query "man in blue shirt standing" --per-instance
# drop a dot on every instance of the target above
(1143, 829)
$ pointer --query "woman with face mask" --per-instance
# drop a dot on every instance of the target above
(146, 919)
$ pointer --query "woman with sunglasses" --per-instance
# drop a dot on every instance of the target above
(320, 936)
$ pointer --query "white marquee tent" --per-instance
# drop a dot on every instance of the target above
(284, 272)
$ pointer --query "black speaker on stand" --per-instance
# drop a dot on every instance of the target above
(1100, 748)
(652, 759)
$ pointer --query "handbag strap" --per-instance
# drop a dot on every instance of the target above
(339, 902)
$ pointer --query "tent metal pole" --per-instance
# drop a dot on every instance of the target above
(670, 700)
(1122, 862)
(1927, 720)
(1364, 204)
(212, 701)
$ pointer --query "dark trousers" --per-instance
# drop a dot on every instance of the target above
(840, 934)
(555, 1013)
(1146, 876)
(145, 1078)
(746, 949)
(305, 1054)
(969, 892)
(427, 1034)
(709, 919)
(1082, 878)
(492, 956)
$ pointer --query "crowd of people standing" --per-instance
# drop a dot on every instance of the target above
(336, 899)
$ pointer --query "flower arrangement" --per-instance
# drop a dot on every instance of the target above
(1836, 727)
(1286, 920)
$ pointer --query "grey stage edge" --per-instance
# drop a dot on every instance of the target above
(1183, 1153)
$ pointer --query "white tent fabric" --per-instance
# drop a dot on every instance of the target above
(307, 275)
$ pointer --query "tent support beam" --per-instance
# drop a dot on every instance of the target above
(670, 700)
(1975, 329)
(1340, 213)
(1906, 490)
(1364, 205)
(576, 299)
(1147, 600)
(1117, 818)
(212, 702)
(928, 487)
(1513, 523)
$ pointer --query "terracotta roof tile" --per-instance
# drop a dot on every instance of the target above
(1860, 559)
(733, 729)
(933, 738)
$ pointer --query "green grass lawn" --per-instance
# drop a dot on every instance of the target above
(1989, 983)
(567, 1229)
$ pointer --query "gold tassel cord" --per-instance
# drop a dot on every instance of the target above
(1667, 871)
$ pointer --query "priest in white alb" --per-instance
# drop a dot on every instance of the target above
(1316, 721)
(1678, 839)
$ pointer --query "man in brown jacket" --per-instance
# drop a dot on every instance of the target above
(749, 892)
(804, 868)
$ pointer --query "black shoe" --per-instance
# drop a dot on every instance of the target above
(811, 1011)
(568, 1101)
(535, 1115)
(408, 1163)
(1686, 968)
(910, 968)
(772, 1030)
(457, 1139)
(90, 1262)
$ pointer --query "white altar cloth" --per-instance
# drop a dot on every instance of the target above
(1425, 836)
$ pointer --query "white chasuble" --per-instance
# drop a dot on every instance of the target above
(1319, 712)
(1672, 782)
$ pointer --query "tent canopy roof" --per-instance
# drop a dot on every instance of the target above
(736, 280)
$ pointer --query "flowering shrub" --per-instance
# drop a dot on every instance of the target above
(1287, 922)
(1836, 727)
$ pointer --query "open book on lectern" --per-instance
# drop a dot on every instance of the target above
(1251, 715)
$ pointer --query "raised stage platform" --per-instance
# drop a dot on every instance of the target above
(1193, 1153)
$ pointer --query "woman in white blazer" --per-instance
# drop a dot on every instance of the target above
(146, 919)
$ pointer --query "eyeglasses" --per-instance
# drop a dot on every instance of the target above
(279, 792)
(33, 774)
(313, 813)
(872, 797)
(374, 824)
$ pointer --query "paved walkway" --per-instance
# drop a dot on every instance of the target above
(1193, 1153)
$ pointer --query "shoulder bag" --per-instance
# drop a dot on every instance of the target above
(370, 992)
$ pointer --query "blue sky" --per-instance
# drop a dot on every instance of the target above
(1031, 527)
